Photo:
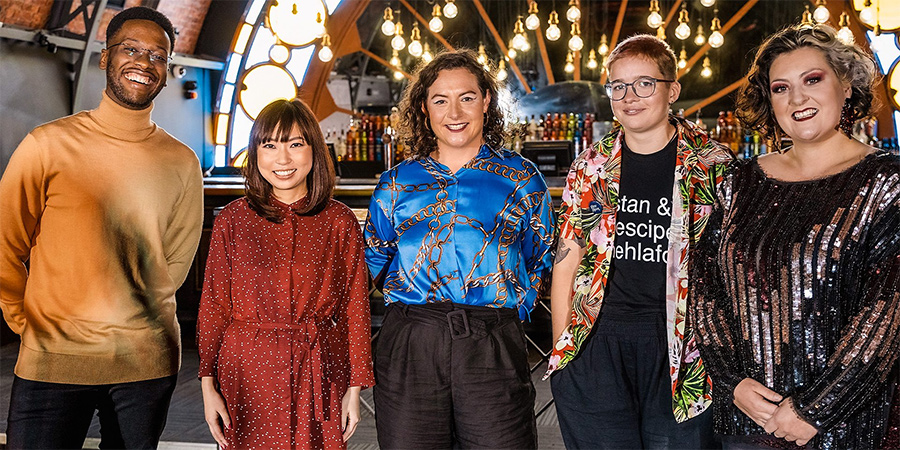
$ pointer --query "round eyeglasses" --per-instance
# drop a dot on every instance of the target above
(135, 53)
(643, 87)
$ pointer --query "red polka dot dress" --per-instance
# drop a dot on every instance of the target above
(284, 323)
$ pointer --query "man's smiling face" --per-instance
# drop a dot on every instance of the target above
(134, 81)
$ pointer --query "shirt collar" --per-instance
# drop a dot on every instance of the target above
(486, 151)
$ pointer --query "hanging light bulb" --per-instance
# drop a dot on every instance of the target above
(604, 47)
(388, 27)
(511, 50)
(806, 19)
(532, 22)
(395, 58)
(570, 63)
(844, 34)
(573, 14)
(592, 60)
(482, 56)
(436, 24)
(325, 53)
(450, 9)
(415, 45)
(699, 38)
(501, 71)
(866, 15)
(520, 41)
(654, 20)
(707, 71)
(525, 45)
(716, 39)
(682, 58)
(821, 14)
(683, 30)
(575, 42)
(426, 53)
(553, 31)
(319, 27)
(398, 75)
(397, 42)
(707, 3)
(661, 33)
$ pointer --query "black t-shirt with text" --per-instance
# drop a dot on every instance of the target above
(637, 283)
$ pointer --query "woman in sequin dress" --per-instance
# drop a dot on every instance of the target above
(284, 328)
(798, 276)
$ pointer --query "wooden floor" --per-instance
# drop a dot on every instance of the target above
(187, 430)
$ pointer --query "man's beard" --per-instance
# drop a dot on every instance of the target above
(115, 85)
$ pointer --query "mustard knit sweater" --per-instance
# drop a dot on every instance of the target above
(106, 209)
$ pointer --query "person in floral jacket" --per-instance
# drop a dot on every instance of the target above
(632, 207)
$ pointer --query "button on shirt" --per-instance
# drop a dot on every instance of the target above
(480, 236)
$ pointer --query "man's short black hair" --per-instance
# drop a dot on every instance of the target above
(141, 13)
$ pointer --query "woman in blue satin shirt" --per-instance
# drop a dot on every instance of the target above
(460, 235)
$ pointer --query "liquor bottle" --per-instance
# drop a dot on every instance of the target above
(379, 138)
(362, 150)
(548, 128)
(721, 124)
(557, 125)
(539, 130)
(351, 143)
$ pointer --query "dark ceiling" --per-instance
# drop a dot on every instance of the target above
(729, 63)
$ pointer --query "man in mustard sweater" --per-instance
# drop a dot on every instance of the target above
(106, 209)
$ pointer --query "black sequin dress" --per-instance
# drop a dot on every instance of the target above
(797, 285)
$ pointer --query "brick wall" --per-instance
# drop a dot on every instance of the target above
(186, 16)
(31, 14)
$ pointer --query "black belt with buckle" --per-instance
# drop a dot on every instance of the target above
(459, 324)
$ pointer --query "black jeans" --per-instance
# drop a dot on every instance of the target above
(617, 393)
(453, 376)
(53, 415)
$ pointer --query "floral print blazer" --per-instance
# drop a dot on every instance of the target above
(588, 214)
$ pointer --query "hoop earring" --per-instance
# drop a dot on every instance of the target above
(846, 123)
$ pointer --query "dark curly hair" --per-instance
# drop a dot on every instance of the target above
(141, 13)
(275, 123)
(852, 65)
(414, 126)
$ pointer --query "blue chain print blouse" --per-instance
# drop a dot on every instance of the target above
(481, 236)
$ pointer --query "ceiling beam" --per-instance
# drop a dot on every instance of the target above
(542, 46)
(672, 12)
(501, 44)
(725, 91)
(615, 36)
(577, 57)
(384, 63)
(706, 47)
(425, 23)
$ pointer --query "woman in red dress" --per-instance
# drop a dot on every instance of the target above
(284, 325)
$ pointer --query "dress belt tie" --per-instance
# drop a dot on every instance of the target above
(314, 362)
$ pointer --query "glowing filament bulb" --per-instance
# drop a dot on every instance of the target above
(450, 9)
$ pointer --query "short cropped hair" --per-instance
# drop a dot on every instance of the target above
(141, 13)
(852, 65)
(275, 123)
(415, 127)
(648, 47)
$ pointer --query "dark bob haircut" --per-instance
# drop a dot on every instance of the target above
(414, 125)
(275, 123)
(852, 66)
(141, 13)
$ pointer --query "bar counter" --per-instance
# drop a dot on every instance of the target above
(354, 192)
